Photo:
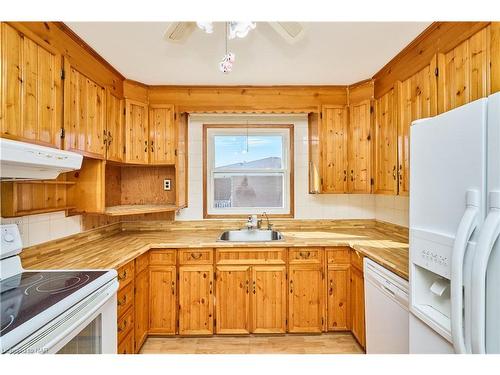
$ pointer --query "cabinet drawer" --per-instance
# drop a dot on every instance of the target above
(141, 263)
(162, 257)
(251, 256)
(338, 255)
(306, 255)
(125, 298)
(357, 260)
(126, 346)
(125, 324)
(126, 274)
(196, 256)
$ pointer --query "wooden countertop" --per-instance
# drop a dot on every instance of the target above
(382, 244)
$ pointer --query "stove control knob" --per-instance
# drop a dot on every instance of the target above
(8, 237)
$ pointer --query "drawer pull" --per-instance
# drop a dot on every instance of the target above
(305, 255)
(123, 276)
(196, 255)
(123, 301)
(173, 287)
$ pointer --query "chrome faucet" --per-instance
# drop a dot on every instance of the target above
(269, 225)
(252, 222)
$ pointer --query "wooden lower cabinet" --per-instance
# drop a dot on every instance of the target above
(358, 305)
(268, 299)
(196, 300)
(305, 299)
(233, 299)
(338, 297)
(141, 308)
(163, 300)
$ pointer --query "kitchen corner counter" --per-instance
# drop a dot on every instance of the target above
(384, 244)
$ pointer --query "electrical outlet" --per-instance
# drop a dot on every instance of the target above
(166, 184)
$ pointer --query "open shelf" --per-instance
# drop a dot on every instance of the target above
(138, 209)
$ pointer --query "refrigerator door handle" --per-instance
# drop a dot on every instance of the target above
(487, 238)
(467, 225)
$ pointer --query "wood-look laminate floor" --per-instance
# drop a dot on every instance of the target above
(331, 343)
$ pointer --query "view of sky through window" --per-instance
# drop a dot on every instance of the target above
(263, 151)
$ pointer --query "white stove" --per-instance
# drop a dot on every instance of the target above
(54, 311)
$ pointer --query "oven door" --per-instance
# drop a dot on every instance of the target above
(89, 327)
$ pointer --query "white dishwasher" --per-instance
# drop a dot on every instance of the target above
(386, 310)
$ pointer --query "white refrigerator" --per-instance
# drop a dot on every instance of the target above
(454, 230)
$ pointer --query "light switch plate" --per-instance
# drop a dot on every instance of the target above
(166, 184)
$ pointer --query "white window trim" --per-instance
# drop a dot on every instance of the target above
(285, 132)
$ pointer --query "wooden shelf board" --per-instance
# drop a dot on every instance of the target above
(138, 209)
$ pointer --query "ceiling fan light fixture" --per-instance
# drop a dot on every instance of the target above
(207, 27)
(240, 29)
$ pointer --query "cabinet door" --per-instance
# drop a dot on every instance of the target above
(386, 145)
(162, 134)
(333, 136)
(358, 305)
(464, 72)
(417, 98)
(338, 284)
(136, 132)
(181, 160)
(162, 316)
(141, 308)
(305, 302)
(196, 300)
(115, 124)
(31, 93)
(268, 299)
(359, 179)
(84, 114)
(232, 307)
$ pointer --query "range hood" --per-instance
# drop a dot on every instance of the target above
(25, 161)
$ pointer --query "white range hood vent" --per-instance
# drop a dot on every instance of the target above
(25, 161)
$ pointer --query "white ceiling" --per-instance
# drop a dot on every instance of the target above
(330, 52)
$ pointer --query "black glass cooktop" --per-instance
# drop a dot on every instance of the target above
(28, 294)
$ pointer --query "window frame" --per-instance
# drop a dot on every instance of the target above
(209, 130)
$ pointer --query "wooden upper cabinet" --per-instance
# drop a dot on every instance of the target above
(268, 299)
(305, 302)
(464, 72)
(333, 136)
(162, 134)
(31, 92)
(233, 299)
(136, 132)
(417, 98)
(385, 148)
(84, 114)
(359, 173)
(115, 126)
(196, 300)
(181, 162)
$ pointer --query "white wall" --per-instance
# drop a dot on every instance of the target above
(36, 229)
(392, 208)
(307, 206)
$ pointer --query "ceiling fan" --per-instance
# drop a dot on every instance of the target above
(180, 31)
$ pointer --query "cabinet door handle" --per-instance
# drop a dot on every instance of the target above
(210, 287)
(152, 146)
(247, 282)
(394, 172)
(173, 287)
(291, 286)
(352, 175)
(401, 173)
(123, 301)
(254, 288)
(345, 175)
(145, 146)
(330, 291)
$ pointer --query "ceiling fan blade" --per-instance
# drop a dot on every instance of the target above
(178, 31)
(290, 31)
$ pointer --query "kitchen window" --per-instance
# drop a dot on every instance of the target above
(248, 170)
